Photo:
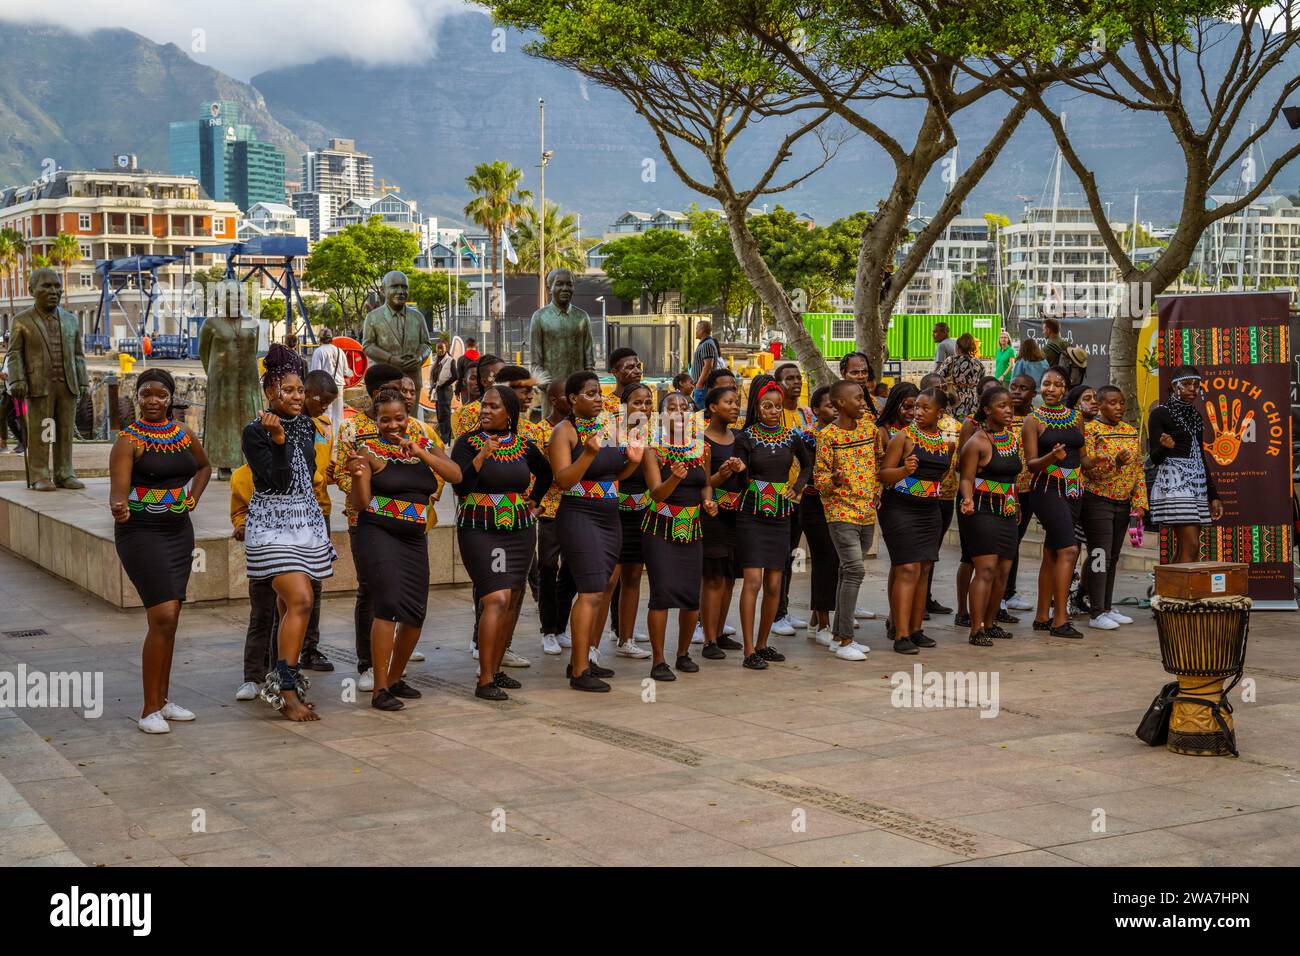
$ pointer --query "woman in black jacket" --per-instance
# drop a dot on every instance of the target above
(1183, 496)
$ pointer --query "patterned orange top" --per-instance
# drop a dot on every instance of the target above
(853, 453)
(1026, 476)
(540, 433)
(1104, 442)
(465, 419)
(950, 428)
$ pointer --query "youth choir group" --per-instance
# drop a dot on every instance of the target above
(606, 489)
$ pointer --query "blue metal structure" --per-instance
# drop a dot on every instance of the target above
(115, 276)
(285, 248)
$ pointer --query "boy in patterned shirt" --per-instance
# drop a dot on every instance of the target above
(485, 373)
(1113, 487)
(844, 474)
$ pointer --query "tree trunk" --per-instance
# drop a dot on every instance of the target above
(773, 296)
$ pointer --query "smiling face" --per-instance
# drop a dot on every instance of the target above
(677, 417)
(1053, 388)
(286, 396)
(153, 398)
(588, 402)
(525, 395)
(390, 419)
(492, 414)
(1088, 404)
(726, 408)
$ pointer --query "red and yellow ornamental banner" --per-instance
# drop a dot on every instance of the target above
(1241, 345)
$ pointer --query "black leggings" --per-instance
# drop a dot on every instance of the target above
(796, 532)
(1026, 512)
(821, 548)
(1105, 522)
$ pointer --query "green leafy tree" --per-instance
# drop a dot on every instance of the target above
(12, 248)
(498, 204)
(429, 295)
(565, 247)
(652, 264)
(714, 280)
(349, 267)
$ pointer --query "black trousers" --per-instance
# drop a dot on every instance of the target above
(796, 532)
(259, 641)
(1105, 523)
(363, 615)
(442, 402)
(947, 508)
(1026, 512)
(10, 420)
(555, 587)
(821, 550)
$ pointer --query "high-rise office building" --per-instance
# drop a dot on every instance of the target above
(226, 157)
(339, 169)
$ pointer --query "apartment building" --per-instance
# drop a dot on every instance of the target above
(1057, 263)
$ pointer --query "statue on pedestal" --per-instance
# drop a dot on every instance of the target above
(228, 353)
(559, 336)
(47, 366)
(396, 333)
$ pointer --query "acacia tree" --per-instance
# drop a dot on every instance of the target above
(1201, 68)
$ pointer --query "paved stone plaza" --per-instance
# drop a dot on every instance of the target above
(805, 763)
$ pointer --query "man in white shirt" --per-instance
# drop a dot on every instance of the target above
(330, 358)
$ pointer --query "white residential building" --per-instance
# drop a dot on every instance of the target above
(1062, 265)
(319, 209)
(339, 168)
(390, 207)
(273, 219)
(1259, 244)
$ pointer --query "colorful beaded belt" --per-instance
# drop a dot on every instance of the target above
(677, 523)
(632, 501)
(1066, 478)
(1004, 489)
(769, 499)
(397, 508)
(593, 489)
(502, 511)
(727, 500)
(157, 500)
(918, 487)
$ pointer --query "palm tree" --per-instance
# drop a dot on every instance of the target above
(12, 247)
(565, 248)
(65, 252)
(498, 203)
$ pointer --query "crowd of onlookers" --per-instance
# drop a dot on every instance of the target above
(957, 362)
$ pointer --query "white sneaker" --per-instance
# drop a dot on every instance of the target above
(823, 637)
(593, 656)
(511, 659)
(366, 680)
(852, 651)
(727, 631)
(697, 637)
(1117, 617)
(641, 637)
(863, 614)
(564, 640)
(474, 650)
(154, 723)
(247, 691)
(172, 711)
(796, 622)
(783, 627)
(1017, 603)
(835, 646)
(1103, 623)
(629, 649)
(416, 656)
(550, 644)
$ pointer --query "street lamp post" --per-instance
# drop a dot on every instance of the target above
(603, 327)
(541, 201)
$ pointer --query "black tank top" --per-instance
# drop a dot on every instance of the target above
(399, 495)
(995, 483)
(931, 465)
(1060, 426)
(599, 487)
(727, 494)
(160, 477)
(677, 518)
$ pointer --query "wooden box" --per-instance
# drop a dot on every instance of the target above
(1202, 579)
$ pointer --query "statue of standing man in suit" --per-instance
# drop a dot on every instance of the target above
(396, 333)
(47, 366)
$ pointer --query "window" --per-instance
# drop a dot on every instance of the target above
(84, 249)
(87, 280)
(842, 329)
(83, 221)
(218, 225)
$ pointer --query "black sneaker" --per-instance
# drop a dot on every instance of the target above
(980, 639)
(905, 646)
(1042, 625)
(728, 644)
(961, 620)
(921, 639)
(713, 652)
(1006, 618)
(490, 692)
(686, 665)
(314, 660)
(503, 680)
(589, 682)
(889, 628)
(755, 662)
(1065, 630)
(998, 633)
(770, 654)
(934, 607)
(662, 672)
(594, 669)
(385, 701)
(404, 690)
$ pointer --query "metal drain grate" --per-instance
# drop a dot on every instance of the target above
(30, 632)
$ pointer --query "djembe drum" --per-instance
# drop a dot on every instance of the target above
(1203, 644)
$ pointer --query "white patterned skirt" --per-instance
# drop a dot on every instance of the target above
(287, 534)
(1179, 494)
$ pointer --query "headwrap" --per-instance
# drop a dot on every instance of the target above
(769, 387)
(1188, 416)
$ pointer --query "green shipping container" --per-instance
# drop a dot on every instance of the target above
(920, 333)
(834, 335)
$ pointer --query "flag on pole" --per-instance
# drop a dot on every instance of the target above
(467, 249)
(508, 250)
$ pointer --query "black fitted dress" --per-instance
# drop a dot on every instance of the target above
(994, 527)
(763, 519)
(632, 501)
(1054, 495)
(672, 540)
(911, 516)
(495, 528)
(156, 544)
(392, 549)
(588, 525)
(720, 531)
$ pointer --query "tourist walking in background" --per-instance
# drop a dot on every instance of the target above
(332, 360)
(1030, 362)
(1005, 357)
(442, 379)
(960, 375)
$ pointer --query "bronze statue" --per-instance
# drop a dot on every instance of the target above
(395, 333)
(47, 366)
(559, 336)
(228, 353)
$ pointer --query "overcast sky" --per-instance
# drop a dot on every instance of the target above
(245, 37)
